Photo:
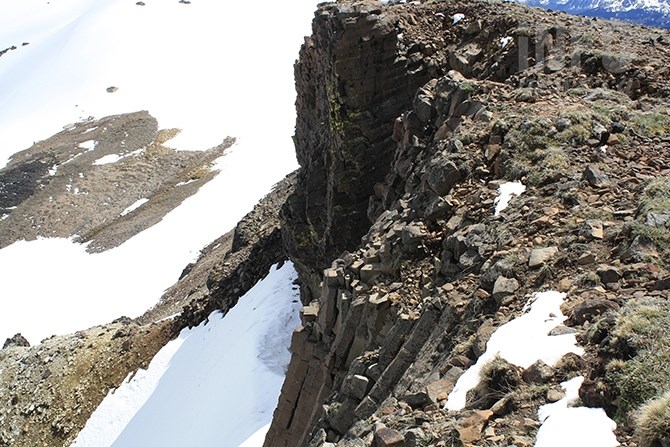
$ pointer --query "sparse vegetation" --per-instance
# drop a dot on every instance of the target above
(651, 124)
(643, 327)
(653, 422)
(552, 163)
(156, 147)
(655, 199)
(498, 378)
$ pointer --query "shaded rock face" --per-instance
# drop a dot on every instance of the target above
(407, 126)
(354, 78)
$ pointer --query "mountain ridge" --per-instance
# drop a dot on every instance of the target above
(645, 12)
(411, 121)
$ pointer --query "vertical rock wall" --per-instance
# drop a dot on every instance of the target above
(409, 118)
(353, 80)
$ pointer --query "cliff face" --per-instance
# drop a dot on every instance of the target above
(410, 117)
(355, 79)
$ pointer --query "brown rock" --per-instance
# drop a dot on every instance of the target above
(387, 437)
(592, 229)
(539, 256)
(554, 395)
(504, 287)
(564, 285)
(439, 390)
(470, 428)
(586, 258)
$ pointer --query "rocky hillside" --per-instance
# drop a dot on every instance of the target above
(411, 118)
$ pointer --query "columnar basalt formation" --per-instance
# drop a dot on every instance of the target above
(409, 119)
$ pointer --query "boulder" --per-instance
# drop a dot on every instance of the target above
(540, 256)
(608, 274)
(589, 309)
(387, 437)
(595, 177)
(538, 373)
(470, 427)
(504, 287)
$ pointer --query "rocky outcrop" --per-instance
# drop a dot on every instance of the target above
(397, 307)
(355, 76)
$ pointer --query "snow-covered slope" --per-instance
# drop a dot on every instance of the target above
(647, 12)
(211, 68)
(215, 385)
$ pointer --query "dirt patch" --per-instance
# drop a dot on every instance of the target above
(85, 180)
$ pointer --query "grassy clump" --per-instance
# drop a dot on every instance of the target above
(497, 379)
(551, 165)
(529, 136)
(653, 422)
(575, 135)
(655, 199)
(642, 326)
(651, 124)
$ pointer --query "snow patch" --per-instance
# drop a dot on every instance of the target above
(134, 206)
(107, 159)
(504, 41)
(456, 18)
(575, 426)
(88, 144)
(506, 191)
(212, 386)
(522, 342)
(185, 183)
(137, 49)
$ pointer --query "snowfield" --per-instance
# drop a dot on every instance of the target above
(211, 68)
(215, 385)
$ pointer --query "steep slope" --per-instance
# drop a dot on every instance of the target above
(48, 391)
(574, 109)
(87, 60)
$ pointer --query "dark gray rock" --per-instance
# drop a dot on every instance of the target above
(17, 341)
(387, 437)
(538, 373)
(504, 287)
(589, 309)
(595, 177)
(608, 274)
